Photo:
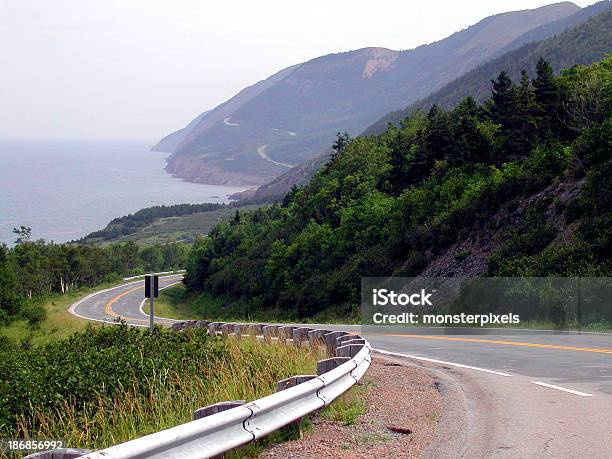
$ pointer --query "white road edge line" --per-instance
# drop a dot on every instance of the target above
(571, 391)
(73, 306)
(158, 317)
(442, 362)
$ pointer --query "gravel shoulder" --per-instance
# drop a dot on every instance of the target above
(403, 408)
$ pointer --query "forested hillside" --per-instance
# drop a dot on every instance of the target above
(519, 185)
(583, 44)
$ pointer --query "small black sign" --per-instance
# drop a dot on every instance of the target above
(148, 286)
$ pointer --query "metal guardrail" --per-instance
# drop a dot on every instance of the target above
(138, 276)
(218, 433)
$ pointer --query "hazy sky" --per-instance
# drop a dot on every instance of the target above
(140, 69)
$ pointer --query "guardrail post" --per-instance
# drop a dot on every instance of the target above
(268, 332)
(342, 339)
(61, 453)
(300, 334)
(216, 408)
(293, 430)
(323, 366)
(247, 329)
(358, 341)
(214, 327)
(316, 337)
(285, 333)
(330, 341)
(349, 350)
(259, 328)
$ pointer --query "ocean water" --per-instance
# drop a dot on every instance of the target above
(67, 189)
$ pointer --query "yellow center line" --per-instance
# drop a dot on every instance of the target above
(108, 308)
(511, 343)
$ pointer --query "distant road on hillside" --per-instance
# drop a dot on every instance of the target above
(261, 151)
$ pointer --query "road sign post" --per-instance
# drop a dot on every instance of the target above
(151, 292)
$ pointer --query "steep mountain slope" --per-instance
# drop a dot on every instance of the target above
(296, 117)
(581, 45)
(556, 27)
(220, 113)
(584, 44)
(169, 143)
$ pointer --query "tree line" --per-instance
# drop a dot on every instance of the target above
(34, 269)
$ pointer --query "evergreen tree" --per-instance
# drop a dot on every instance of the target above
(502, 100)
(341, 142)
(439, 136)
(547, 95)
(524, 124)
(469, 144)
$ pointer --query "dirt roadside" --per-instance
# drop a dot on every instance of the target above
(402, 410)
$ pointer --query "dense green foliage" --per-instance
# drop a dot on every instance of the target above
(583, 44)
(109, 384)
(33, 269)
(122, 226)
(528, 171)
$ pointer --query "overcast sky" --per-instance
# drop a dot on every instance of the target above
(118, 69)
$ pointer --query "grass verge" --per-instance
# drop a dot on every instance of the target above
(106, 385)
(58, 324)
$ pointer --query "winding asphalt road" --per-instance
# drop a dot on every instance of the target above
(123, 302)
(509, 394)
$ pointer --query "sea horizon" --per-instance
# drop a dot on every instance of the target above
(65, 189)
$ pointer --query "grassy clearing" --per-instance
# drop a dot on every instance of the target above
(171, 304)
(184, 228)
(111, 384)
